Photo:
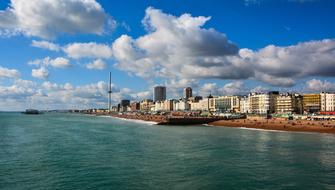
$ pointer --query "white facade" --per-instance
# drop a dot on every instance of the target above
(202, 105)
(181, 105)
(225, 104)
(262, 103)
(259, 103)
(244, 104)
(284, 104)
(145, 105)
(159, 106)
(166, 105)
(327, 101)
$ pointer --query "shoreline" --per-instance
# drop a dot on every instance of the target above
(164, 119)
(279, 125)
(131, 120)
(275, 124)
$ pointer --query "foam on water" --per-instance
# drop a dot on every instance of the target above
(269, 130)
(132, 120)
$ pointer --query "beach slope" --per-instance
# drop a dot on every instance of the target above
(283, 125)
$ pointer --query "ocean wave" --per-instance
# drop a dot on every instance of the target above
(257, 129)
(133, 120)
(247, 128)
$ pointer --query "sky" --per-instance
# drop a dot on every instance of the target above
(57, 54)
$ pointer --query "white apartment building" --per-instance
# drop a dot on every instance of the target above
(159, 106)
(284, 104)
(201, 105)
(166, 105)
(181, 105)
(262, 103)
(244, 104)
(327, 101)
(225, 104)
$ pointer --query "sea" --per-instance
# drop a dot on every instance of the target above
(76, 151)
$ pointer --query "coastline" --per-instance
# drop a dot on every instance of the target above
(275, 124)
(279, 125)
(164, 119)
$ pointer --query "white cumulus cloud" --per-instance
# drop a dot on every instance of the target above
(97, 64)
(234, 88)
(40, 73)
(172, 45)
(45, 45)
(59, 62)
(318, 85)
(280, 66)
(88, 50)
(181, 48)
(24, 93)
(47, 19)
(9, 73)
(209, 88)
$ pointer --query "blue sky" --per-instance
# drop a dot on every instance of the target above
(239, 45)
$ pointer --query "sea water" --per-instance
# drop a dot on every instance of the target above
(74, 151)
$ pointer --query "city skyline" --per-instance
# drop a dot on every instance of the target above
(222, 47)
(270, 102)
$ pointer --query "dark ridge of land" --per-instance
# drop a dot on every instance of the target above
(170, 120)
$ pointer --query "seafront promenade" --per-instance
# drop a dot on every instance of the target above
(299, 125)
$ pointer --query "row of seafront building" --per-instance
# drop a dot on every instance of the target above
(253, 103)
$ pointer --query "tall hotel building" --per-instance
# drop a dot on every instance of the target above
(159, 93)
(187, 93)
